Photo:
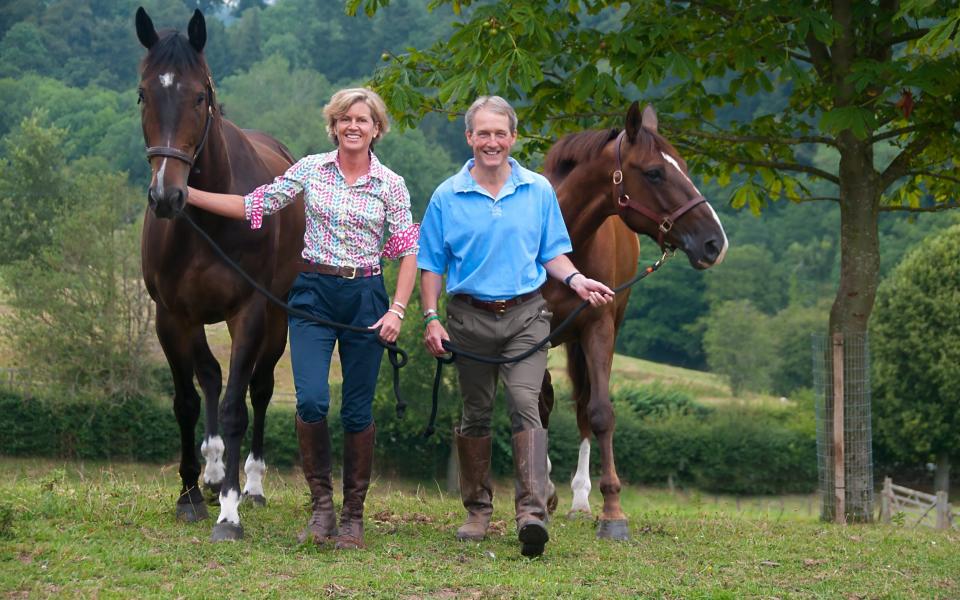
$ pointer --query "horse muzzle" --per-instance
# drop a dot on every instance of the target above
(166, 203)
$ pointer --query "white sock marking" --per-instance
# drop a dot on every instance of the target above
(166, 79)
(581, 481)
(255, 470)
(212, 450)
(229, 508)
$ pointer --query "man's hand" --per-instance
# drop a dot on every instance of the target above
(433, 336)
(591, 290)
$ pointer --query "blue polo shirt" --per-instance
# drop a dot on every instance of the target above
(492, 248)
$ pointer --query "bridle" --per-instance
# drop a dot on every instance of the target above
(178, 154)
(664, 222)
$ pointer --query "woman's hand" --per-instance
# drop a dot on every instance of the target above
(389, 325)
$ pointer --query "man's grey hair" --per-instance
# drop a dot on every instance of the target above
(494, 104)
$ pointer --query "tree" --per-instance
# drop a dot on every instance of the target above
(916, 350)
(740, 346)
(862, 117)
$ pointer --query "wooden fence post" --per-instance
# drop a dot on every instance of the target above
(943, 511)
(839, 475)
(885, 495)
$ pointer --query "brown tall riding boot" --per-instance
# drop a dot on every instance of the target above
(476, 489)
(357, 464)
(530, 462)
(314, 441)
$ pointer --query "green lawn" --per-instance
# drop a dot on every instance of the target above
(85, 530)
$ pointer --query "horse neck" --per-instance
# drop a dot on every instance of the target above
(211, 172)
(586, 200)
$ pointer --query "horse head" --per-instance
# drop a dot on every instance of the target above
(177, 107)
(655, 195)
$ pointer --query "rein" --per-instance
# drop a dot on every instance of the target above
(664, 222)
(398, 357)
(178, 154)
(499, 360)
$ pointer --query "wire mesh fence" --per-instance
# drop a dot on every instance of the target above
(853, 484)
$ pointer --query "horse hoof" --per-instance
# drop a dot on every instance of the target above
(578, 514)
(226, 532)
(613, 529)
(191, 513)
(255, 499)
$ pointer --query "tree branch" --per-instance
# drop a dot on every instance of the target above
(901, 164)
(934, 175)
(919, 209)
(893, 133)
(773, 141)
(770, 164)
(907, 36)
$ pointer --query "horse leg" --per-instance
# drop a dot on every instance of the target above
(208, 373)
(186, 407)
(545, 404)
(261, 391)
(598, 353)
(246, 327)
(580, 383)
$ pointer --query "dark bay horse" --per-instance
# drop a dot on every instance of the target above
(612, 184)
(189, 142)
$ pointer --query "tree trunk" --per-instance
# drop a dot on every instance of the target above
(859, 278)
(941, 479)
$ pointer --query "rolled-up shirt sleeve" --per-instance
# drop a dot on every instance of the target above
(404, 233)
(554, 239)
(269, 198)
(432, 254)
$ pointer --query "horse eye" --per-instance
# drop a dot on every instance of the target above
(654, 175)
(201, 98)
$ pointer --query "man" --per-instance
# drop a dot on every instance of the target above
(496, 230)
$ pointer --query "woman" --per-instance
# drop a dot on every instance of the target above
(349, 196)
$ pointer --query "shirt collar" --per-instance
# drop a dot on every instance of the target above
(377, 170)
(463, 181)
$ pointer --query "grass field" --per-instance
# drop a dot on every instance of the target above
(85, 530)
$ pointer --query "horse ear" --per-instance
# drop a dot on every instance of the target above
(649, 119)
(146, 32)
(197, 31)
(633, 124)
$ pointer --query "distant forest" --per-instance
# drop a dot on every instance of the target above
(72, 64)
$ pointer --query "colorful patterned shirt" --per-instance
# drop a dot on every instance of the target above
(345, 223)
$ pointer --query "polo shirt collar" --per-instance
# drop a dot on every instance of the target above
(463, 181)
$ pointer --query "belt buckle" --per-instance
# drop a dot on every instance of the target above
(354, 275)
(500, 306)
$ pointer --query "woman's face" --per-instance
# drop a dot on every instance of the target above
(356, 129)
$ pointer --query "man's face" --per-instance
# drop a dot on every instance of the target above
(491, 139)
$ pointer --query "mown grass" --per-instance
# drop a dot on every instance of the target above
(75, 530)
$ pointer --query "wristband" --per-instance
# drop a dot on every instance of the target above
(428, 312)
(400, 304)
(433, 317)
(570, 277)
(396, 312)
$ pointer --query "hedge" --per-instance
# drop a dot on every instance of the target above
(725, 449)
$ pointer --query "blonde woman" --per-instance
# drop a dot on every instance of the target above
(349, 198)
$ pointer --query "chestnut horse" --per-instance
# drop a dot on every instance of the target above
(189, 142)
(638, 177)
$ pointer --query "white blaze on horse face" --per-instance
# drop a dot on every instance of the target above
(255, 469)
(229, 508)
(581, 481)
(212, 450)
(723, 251)
(676, 166)
(166, 79)
(159, 184)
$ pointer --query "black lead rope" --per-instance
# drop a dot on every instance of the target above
(398, 357)
(455, 351)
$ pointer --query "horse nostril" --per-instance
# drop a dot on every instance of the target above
(178, 201)
(711, 250)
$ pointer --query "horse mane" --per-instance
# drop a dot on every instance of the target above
(173, 50)
(582, 147)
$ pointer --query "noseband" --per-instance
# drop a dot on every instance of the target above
(664, 222)
(178, 154)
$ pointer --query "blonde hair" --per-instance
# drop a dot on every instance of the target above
(341, 102)
(494, 104)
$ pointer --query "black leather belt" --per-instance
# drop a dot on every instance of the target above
(346, 272)
(497, 306)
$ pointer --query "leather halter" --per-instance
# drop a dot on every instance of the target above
(178, 154)
(664, 222)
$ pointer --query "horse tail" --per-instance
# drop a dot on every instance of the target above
(580, 385)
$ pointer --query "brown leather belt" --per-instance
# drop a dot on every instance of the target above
(497, 306)
(346, 272)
